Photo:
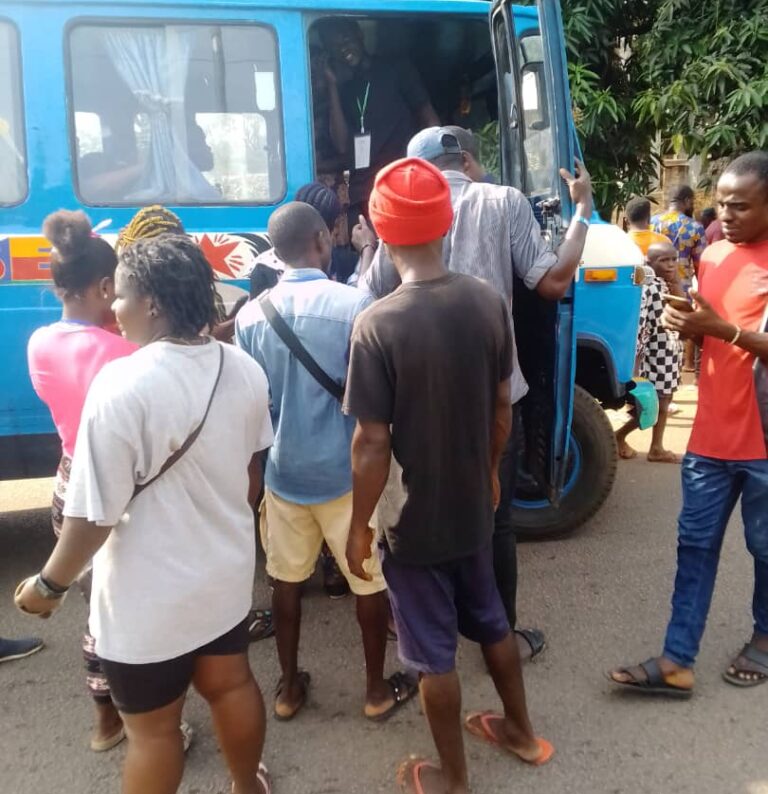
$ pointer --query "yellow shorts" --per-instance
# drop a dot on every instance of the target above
(293, 534)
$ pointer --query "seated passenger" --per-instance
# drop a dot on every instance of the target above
(374, 112)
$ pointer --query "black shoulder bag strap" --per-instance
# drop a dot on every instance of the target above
(180, 452)
(293, 343)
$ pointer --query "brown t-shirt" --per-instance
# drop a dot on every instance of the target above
(428, 360)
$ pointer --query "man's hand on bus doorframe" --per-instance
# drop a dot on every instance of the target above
(580, 185)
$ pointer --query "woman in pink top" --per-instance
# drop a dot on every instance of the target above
(63, 360)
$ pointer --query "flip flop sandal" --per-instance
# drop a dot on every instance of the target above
(477, 723)
(260, 624)
(304, 681)
(187, 734)
(535, 639)
(103, 745)
(654, 683)
(756, 657)
(404, 688)
(409, 774)
(263, 777)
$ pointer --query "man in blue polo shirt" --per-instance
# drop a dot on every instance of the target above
(308, 479)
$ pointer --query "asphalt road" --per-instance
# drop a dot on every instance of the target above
(602, 597)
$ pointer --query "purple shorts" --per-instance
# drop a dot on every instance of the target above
(433, 604)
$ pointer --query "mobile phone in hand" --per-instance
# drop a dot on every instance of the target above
(677, 302)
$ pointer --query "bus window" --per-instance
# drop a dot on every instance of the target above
(446, 72)
(176, 114)
(13, 162)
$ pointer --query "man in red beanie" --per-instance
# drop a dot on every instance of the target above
(429, 383)
(495, 237)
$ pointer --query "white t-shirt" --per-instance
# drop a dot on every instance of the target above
(177, 569)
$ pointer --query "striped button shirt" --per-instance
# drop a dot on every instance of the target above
(494, 237)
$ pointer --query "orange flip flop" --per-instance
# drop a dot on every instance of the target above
(477, 723)
(409, 774)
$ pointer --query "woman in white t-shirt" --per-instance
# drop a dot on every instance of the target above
(158, 496)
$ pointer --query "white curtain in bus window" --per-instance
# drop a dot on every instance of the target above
(176, 114)
(13, 166)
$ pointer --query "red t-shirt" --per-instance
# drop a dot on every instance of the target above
(734, 280)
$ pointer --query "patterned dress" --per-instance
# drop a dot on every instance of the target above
(658, 349)
(688, 237)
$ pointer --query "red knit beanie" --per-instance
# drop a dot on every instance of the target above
(410, 203)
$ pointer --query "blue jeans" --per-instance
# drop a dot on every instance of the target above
(711, 489)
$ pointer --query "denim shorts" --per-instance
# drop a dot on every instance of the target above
(433, 604)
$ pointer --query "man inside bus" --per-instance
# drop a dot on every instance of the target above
(375, 105)
(494, 237)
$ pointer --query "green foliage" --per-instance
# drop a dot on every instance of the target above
(706, 75)
(489, 152)
(604, 82)
(693, 73)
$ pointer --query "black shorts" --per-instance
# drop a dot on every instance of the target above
(138, 688)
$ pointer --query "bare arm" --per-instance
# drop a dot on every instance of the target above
(338, 124)
(80, 540)
(705, 321)
(755, 343)
(255, 479)
(502, 426)
(427, 117)
(371, 454)
(365, 242)
(555, 283)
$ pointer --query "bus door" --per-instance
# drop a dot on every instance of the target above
(536, 139)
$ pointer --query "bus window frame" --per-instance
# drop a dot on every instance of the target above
(133, 22)
(22, 114)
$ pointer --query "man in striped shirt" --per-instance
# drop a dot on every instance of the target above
(495, 237)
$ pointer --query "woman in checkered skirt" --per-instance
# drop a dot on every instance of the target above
(658, 350)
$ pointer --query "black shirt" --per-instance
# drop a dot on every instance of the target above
(396, 93)
(428, 360)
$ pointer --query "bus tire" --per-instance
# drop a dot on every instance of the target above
(587, 488)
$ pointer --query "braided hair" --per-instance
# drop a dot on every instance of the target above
(323, 199)
(149, 222)
(172, 270)
(79, 259)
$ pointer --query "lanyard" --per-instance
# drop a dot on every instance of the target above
(363, 106)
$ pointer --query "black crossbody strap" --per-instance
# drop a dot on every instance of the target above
(176, 456)
(293, 343)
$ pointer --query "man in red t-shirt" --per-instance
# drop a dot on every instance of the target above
(727, 457)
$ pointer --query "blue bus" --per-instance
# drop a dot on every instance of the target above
(215, 110)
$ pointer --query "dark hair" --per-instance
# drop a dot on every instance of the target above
(323, 199)
(293, 228)
(754, 163)
(328, 27)
(172, 270)
(638, 210)
(78, 259)
(149, 222)
(466, 139)
(708, 214)
(680, 194)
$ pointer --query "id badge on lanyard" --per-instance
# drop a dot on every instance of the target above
(363, 140)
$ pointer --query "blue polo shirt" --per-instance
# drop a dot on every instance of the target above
(309, 461)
